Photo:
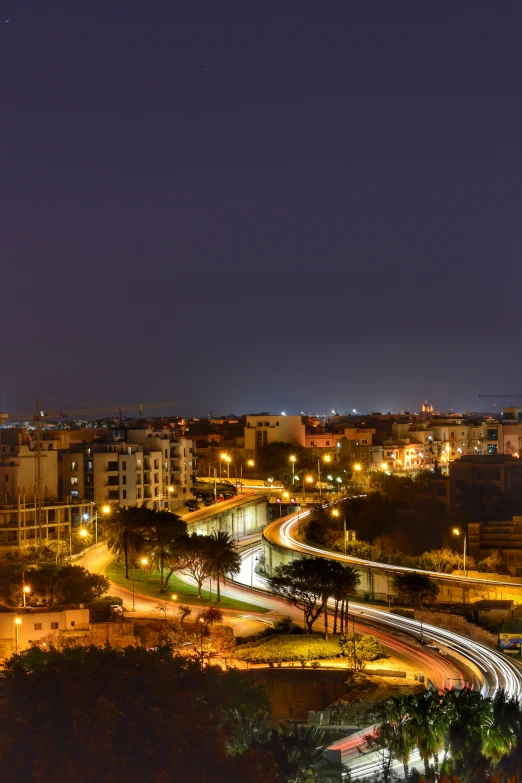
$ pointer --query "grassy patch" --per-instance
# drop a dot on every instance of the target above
(285, 647)
(148, 584)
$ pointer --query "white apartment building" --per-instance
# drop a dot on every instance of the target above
(149, 467)
(264, 429)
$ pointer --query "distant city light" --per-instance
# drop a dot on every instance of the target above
(283, 413)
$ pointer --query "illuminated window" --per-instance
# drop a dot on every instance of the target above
(74, 479)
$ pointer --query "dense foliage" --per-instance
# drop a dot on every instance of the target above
(308, 583)
(162, 537)
(471, 737)
(98, 716)
(67, 584)
(101, 715)
(286, 648)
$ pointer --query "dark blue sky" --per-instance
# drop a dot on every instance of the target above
(279, 206)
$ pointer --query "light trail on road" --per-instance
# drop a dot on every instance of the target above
(498, 671)
(280, 531)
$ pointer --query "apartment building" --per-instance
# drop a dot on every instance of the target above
(263, 429)
(18, 524)
(486, 537)
(146, 467)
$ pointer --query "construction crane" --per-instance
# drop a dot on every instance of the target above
(38, 414)
(54, 413)
(502, 396)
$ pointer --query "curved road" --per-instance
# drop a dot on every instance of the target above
(280, 533)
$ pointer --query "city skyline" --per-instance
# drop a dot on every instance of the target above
(243, 211)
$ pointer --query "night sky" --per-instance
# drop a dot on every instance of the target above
(260, 206)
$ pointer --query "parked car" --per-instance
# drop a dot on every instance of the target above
(192, 505)
(209, 501)
(219, 498)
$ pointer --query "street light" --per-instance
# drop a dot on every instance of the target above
(335, 513)
(173, 597)
(456, 532)
(86, 518)
(250, 463)
(326, 458)
(201, 620)
(293, 459)
(225, 458)
(25, 591)
(18, 622)
(143, 561)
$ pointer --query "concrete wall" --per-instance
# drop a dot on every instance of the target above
(293, 691)
(239, 521)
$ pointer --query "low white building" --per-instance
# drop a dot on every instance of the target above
(20, 627)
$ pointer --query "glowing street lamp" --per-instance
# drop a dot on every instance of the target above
(25, 592)
(293, 459)
(250, 464)
(144, 561)
(326, 458)
(225, 458)
(202, 622)
(105, 510)
(456, 532)
(18, 622)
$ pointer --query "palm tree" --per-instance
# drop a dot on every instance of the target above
(499, 727)
(395, 730)
(162, 531)
(123, 535)
(428, 720)
(224, 557)
(299, 753)
(345, 584)
(467, 712)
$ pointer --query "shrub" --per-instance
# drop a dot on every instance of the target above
(282, 648)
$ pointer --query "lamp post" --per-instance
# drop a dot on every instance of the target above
(335, 513)
(143, 561)
(326, 458)
(202, 622)
(18, 622)
(94, 518)
(25, 591)
(225, 458)
(174, 597)
(456, 532)
(293, 459)
(250, 464)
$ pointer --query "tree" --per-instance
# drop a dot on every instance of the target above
(69, 584)
(395, 730)
(223, 556)
(192, 557)
(162, 608)
(183, 612)
(346, 581)
(163, 533)
(148, 715)
(299, 754)
(123, 534)
(500, 727)
(361, 649)
(428, 723)
(304, 583)
(416, 589)
(209, 616)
